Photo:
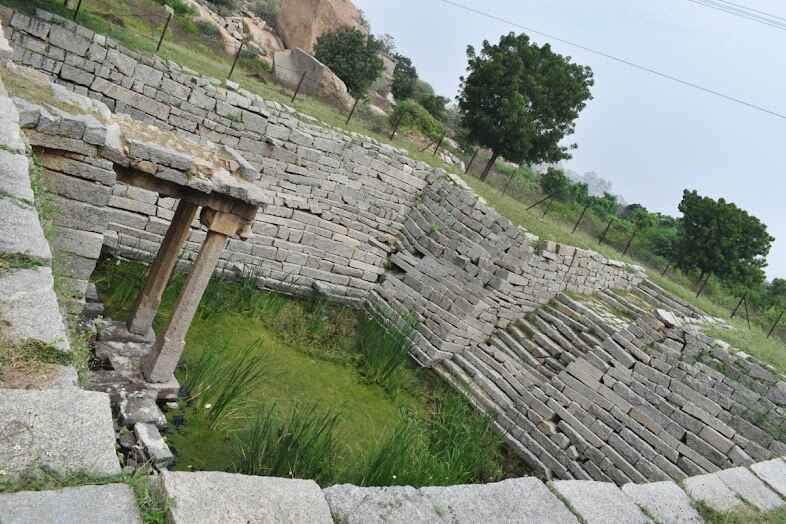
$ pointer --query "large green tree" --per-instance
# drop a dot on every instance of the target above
(521, 100)
(353, 56)
(405, 76)
(716, 237)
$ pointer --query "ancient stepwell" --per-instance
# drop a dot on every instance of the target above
(601, 381)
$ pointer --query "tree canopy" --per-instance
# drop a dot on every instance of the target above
(555, 184)
(405, 76)
(521, 100)
(716, 237)
(352, 56)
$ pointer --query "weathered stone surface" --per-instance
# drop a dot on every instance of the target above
(14, 179)
(525, 500)
(301, 22)
(29, 309)
(289, 67)
(599, 502)
(21, 233)
(113, 503)
(139, 407)
(664, 501)
(773, 472)
(156, 449)
(208, 498)
(65, 431)
(711, 490)
(751, 489)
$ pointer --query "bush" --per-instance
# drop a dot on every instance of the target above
(267, 10)
(415, 116)
(179, 7)
(207, 29)
(352, 56)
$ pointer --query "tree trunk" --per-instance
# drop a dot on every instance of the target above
(486, 170)
(703, 284)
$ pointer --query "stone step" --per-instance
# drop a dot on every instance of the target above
(65, 431)
(515, 500)
(664, 501)
(211, 497)
(599, 502)
(751, 489)
(110, 503)
(712, 491)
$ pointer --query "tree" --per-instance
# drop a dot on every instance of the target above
(556, 185)
(776, 293)
(716, 237)
(405, 76)
(436, 105)
(521, 100)
(352, 56)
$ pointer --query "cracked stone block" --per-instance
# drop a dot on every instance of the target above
(153, 443)
(141, 407)
(65, 431)
(599, 502)
(21, 233)
(773, 472)
(751, 489)
(664, 501)
(711, 490)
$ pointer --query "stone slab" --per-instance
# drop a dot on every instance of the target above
(65, 431)
(14, 177)
(751, 489)
(29, 308)
(210, 497)
(599, 502)
(113, 503)
(156, 449)
(712, 491)
(664, 501)
(773, 472)
(20, 231)
(524, 500)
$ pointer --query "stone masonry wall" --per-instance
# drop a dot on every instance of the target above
(345, 208)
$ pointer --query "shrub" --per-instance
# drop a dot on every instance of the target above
(352, 56)
(207, 29)
(414, 116)
(180, 7)
(267, 10)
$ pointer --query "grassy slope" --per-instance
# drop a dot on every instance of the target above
(137, 24)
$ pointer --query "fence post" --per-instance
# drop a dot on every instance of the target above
(439, 144)
(546, 209)
(747, 313)
(299, 85)
(630, 241)
(704, 284)
(76, 11)
(775, 324)
(237, 57)
(606, 231)
(539, 202)
(737, 307)
(354, 106)
(471, 160)
(581, 217)
(166, 26)
(396, 126)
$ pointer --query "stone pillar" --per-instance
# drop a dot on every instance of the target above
(160, 364)
(149, 299)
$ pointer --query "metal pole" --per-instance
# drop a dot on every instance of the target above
(427, 146)
(546, 209)
(775, 324)
(396, 126)
(703, 285)
(510, 179)
(76, 11)
(439, 144)
(581, 217)
(606, 231)
(536, 204)
(737, 307)
(630, 241)
(357, 100)
(666, 269)
(166, 26)
(747, 313)
(471, 160)
(237, 57)
(299, 85)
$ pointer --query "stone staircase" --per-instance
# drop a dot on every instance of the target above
(583, 391)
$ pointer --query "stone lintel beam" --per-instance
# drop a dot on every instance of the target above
(149, 299)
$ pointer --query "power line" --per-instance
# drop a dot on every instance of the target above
(752, 10)
(753, 15)
(624, 61)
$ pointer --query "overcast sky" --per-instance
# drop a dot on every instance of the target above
(650, 137)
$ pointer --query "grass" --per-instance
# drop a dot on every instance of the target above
(747, 515)
(152, 504)
(28, 363)
(292, 380)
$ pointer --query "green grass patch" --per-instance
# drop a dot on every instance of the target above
(292, 387)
